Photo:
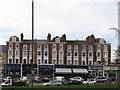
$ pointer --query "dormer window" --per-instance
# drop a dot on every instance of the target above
(14, 39)
(101, 40)
(57, 40)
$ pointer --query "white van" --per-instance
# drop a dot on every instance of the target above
(60, 78)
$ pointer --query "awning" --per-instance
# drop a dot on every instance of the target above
(80, 71)
(63, 70)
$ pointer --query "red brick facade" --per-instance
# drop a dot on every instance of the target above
(90, 40)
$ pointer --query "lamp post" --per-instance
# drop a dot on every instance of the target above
(32, 38)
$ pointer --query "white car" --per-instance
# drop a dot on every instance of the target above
(6, 78)
(7, 83)
(90, 81)
(77, 79)
(54, 82)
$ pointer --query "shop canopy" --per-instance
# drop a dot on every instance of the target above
(63, 70)
(79, 71)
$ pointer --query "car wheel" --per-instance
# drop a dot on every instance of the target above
(87, 83)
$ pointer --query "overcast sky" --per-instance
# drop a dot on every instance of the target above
(76, 18)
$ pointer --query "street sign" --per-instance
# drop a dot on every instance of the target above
(33, 72)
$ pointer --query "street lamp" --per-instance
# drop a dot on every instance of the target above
(32, 38)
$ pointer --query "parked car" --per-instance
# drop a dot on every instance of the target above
(76, 80)
(25, 78)
(100, 79)
(7, 83)
(54, 82)
(7, 78)
(60, 78)
(90, 81)
(45, 79)
(21, 83)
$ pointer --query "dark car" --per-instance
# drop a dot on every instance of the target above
(21, 83)
(101, 79)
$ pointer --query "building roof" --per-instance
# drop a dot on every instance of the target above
(27, 41)
(79, 42)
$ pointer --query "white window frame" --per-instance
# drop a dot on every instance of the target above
(68, 47)
(39, 46)
(39, 60)
(75, 47)
(90, 48)
(61, 46)
(105, 47)
(60, 62)
(10, 46)
(16, 46)
(25, 46)
(83, 47)
(54, 47)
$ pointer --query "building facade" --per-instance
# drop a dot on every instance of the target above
(2, 58)
(59, 51)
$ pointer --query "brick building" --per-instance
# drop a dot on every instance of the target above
(59, 51)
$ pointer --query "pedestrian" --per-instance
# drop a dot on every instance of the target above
(27, 83)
